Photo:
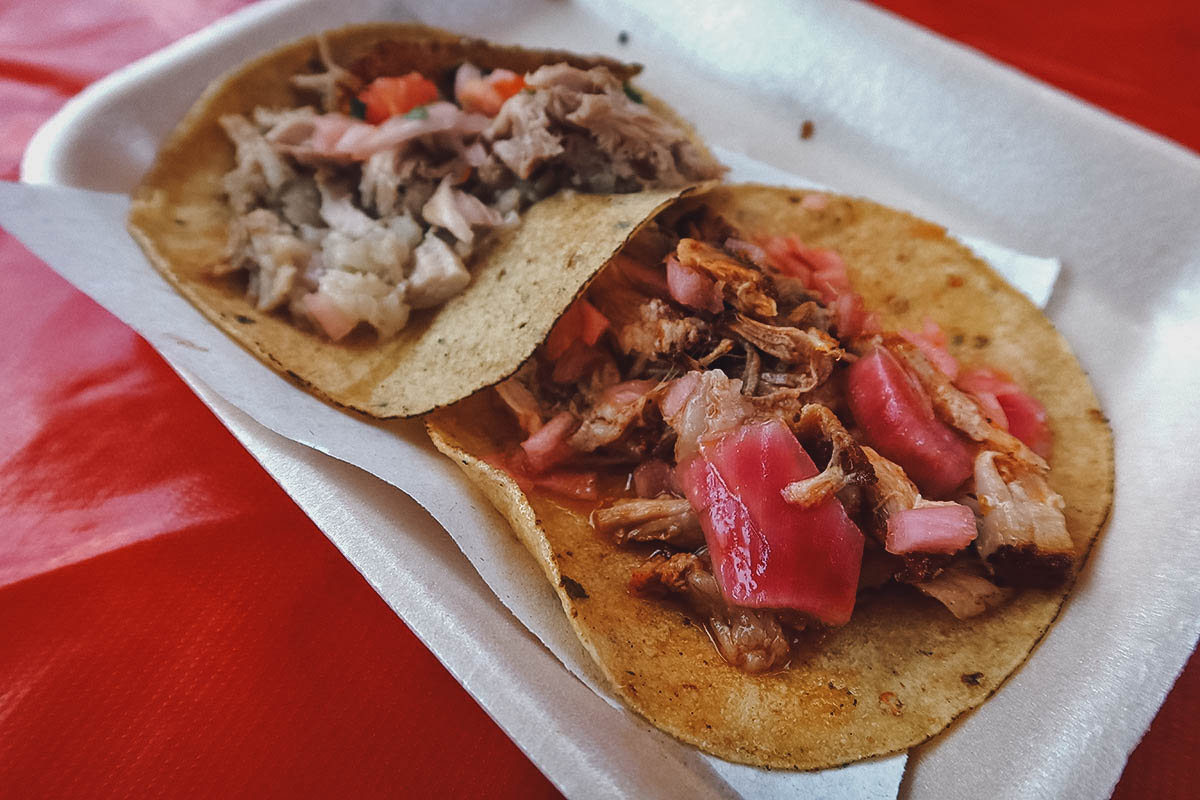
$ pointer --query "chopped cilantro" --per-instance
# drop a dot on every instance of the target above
(358, 109)
(632, 93)
(420, 112)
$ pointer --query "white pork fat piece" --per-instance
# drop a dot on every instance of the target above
(437, 275)
(459, 212)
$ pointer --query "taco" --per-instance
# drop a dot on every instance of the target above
(808, 477)
(362, 208)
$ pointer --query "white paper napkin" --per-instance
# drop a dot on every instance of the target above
(82, 235)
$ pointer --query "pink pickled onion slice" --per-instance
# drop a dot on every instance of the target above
(942, 528)
(897, 419)
(689, 288)
(548, 446)
(931, 340)
(766, 552)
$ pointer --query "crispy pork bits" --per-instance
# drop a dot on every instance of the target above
(670, 520)
(751, 640)
(764, 422)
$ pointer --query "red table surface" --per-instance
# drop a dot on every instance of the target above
(173, 625)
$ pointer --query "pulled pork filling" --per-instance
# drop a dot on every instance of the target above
(370, 205)
(783, 453)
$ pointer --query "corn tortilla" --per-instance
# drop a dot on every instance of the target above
(522, 279)
(903, 668)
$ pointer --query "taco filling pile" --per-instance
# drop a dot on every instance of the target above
(736, 414)
(788, 524)
(370, 205)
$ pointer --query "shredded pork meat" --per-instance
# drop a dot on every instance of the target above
(438, 273)
(962, 411)
(892, 491)
(652, 329)
(521, 403)
(670, 520)
(341, 188)
(332, 82)
(637, 147)
(848, 463)
(262, 238)
(745, 288)
(750, 639)
(964, 591)
(671, 374)
(889, 494)
(617, 408)
(813, 348)
(701, 406)
(1023, 534)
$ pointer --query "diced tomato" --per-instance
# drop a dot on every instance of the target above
(387, 97)
(549, 445)
(505, 82)
(766, 552)
(897, 419)
(569, 483)
(487, 95)
(479, 97)
(575, 362)
(932, 341)
(592, 323)
(1020, 413)
(581, 321)
(943, 528)
(514, 464)
(564, 334)
(689, 288)
(570, 344)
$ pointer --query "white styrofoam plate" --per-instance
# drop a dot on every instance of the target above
(915, 121)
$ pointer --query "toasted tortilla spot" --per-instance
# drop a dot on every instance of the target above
(792, 719)
(521, 281)
(574, 588)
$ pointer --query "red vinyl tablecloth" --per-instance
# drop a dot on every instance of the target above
(170, 622)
